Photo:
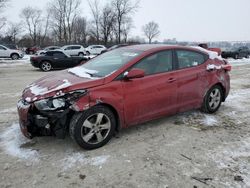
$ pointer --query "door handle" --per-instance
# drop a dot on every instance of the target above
(170, 80)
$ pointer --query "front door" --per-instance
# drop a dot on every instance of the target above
(153, 95)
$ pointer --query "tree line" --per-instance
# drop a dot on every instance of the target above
(62, 23)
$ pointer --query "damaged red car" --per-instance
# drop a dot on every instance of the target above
(122, 88)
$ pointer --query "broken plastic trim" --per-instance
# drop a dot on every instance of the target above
(59, 103)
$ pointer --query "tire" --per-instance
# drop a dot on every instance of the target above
(14, 56)
(93, 128)
(45, 66)
(88, 53)
(212, 99)
(81, 54)
(236, 56)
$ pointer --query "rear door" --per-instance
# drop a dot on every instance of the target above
(191, 79)
(153, 95)
(75, 50)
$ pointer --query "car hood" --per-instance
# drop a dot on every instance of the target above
(57, 84)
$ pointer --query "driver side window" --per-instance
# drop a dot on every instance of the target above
(157, 63)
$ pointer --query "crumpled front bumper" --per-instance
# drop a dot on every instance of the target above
(23, 109)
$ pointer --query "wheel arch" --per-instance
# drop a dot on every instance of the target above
(14, 53)
(223, 90)
(116, 114)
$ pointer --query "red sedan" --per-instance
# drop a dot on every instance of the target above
(122, 88)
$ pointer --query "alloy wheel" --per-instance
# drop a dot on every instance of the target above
(95, 128)
(46, 66)
(214, 98)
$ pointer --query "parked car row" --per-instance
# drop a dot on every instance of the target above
(237, 53)
(75, 50)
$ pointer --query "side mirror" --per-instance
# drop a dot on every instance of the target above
(135, 73)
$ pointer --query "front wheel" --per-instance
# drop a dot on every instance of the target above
(14, 56)
(87, 53)
(93, 128)
(212, 99)
(45, 66)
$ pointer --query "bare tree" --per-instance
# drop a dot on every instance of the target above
(107, 23)
(14, 30)
(123, 9)
(3, 4)
(79, 30)
(96, 13)
(32, 18)
(64, 14)
(151, 30)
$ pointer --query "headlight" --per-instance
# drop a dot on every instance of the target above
(50, 104)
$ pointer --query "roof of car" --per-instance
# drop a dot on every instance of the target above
(152, 47)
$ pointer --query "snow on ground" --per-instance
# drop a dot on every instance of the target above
(12, 142)
(10, 62)
(239, 62)
(236, 156)
(76, 159)
(8, 110)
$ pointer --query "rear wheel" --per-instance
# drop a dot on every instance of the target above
(212, 99)
(14, 56)
(45, 66)
(93, 128)
(236, 56)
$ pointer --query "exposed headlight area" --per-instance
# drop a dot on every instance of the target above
(60, 103)
(50, 104)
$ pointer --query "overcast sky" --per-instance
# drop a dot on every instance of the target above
(185, 20)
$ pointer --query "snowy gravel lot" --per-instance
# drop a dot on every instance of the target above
(185, 150)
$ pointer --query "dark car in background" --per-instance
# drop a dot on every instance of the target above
(56, 60)
(238, 53)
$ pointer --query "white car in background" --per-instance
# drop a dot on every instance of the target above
(95, 49)
(74, 50)
(49, 48)
(14, 54)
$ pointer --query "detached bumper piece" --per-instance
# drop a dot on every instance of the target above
(35, 123)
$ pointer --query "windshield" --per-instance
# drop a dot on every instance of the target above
(106, 63)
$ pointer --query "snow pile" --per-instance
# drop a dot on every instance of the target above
(83, 72)
(77, 159)
(65, 84)
(11, 141)
(38, 90)
(209, 120)
(236, 156)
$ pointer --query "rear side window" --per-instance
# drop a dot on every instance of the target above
(75, 47)
(156, 63)
(2, 48)
(58, 54)
(189, 58)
